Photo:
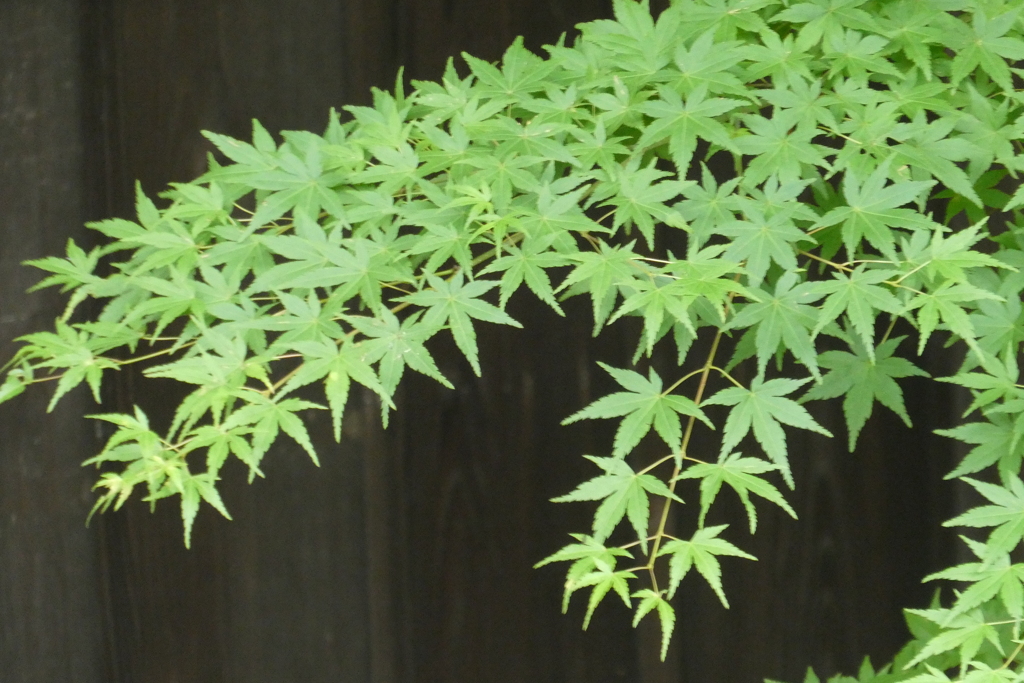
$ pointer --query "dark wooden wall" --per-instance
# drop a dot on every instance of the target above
(407, 556)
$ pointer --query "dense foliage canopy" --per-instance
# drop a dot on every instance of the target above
(791, 187)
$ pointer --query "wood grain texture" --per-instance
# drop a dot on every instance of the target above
(50, 599)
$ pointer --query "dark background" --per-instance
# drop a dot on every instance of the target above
(407, 556)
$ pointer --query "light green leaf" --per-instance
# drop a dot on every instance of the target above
(623, 493)
(739, 473)
(650, 600)
(783, 318)
(872, 211)
(644, 404)
(863, 378)
(763, 409)
(1006, 514)
(454, 303)
(700, 552)
(587, 556)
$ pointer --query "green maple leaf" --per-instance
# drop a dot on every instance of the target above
(553, 217)
(709, 64)
(134, 429)
(931, 148)
(965, 632)
(703, 272)
(173, 298)
(640, 200)
(872, 210)
(910, 26)
(623, 493)
(867, 127)
(527, 263)
(73, 350)
(457, 304)
(441, 149)
(385, 124)
(803, 97)
(700, 552)
(324, 360)
(196, 487)
(863, 378)
(948, 257)
(780, 58)
(760, 240)
(723, 17)
(558, 104)
(984, 43)
(986, 188)
(674, 288)
(618, 107)
(445, 240)
(913, 96)
(774, 198)
(825, 18)
(989, 578)
(356, 267)
(857, 55)
(293, 177)
(304, 319)
(859, 296)
(603, 582)
(600, 272)
(218, 377)
(656, 297)
(783, 318)
(992, 128)
(149, 461)
(1006, 514)
(14, 385)
(997, 442)
(739, 473)
(645, 403)
(587, 556)
(596, 555)
(503, 175)
(218, 444)
(76, 269)
(708, 205)
(640, 44)
(595, 148)
(266, 417)
(681, 124)
(999, 324)
(535, 139)
(997, 382)
(778, 148)
(763, 409)
(521, 73)
(930, 675)
(655, 601)
(397, 345)
(397, 167)
(946, 304)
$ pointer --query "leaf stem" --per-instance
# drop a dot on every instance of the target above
(660, 534)
(1013, 655)
(155, 354)
(838, 266)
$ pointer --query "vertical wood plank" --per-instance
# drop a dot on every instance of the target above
(52, 628)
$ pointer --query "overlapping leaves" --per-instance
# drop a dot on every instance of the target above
(823, 130)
